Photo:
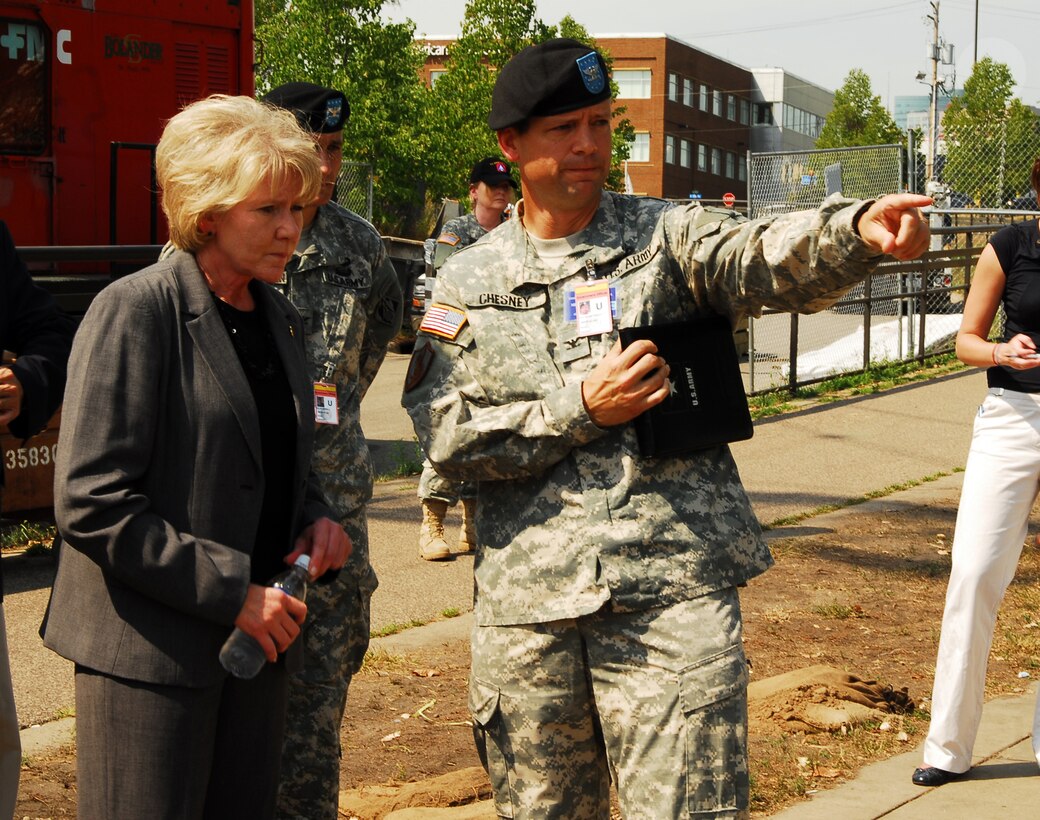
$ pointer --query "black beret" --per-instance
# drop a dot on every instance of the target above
(491, 171)
(548, 78)
(318, 110)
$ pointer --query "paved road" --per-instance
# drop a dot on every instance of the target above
(794, 464)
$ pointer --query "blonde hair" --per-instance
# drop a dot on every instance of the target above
(215, 152)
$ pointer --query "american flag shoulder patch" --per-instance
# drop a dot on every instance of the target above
(443, 320)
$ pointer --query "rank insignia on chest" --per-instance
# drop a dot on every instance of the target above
(443, 321)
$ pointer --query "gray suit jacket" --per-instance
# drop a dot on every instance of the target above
(158, 483)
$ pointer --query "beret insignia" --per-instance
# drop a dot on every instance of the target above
(590, 72)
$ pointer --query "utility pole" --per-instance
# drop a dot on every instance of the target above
(930, 161)
(975, 56)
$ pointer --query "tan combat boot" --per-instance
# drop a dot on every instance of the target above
(432, 545)
(468, 533)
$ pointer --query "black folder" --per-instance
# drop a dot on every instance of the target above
(707, 406)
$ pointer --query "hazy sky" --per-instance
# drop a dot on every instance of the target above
(818, 40)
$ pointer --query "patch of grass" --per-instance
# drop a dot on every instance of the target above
(882, 376)
(407, 460)
(787, 521)
(28, 535)
(393, 629)
(451, 612)
(64, 712)
(381, 661)
(784, 769)
(838, 612)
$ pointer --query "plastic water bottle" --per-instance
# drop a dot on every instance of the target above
(241, 654)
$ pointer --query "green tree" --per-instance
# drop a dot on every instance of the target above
(347, 46)
(991, 137)
(858, 117)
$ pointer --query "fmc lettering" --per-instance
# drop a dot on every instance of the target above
(133, 49)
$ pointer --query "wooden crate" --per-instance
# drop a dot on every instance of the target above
(29, 468)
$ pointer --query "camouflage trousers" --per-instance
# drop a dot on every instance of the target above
(655, 700)
(433, 486)
(335, 639)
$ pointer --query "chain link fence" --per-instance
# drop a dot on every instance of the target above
(354, 188)
(781, 182)
(987, 166)
(906, 310)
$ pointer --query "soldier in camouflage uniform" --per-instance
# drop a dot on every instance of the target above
(345, 287)
(607, 642)
(491, 189)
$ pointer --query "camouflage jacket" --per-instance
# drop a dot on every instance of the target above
(569, 514)
(348, 294)
(457, 233)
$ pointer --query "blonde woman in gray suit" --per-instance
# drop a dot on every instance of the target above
(183, 483)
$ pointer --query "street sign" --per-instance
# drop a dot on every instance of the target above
(695, 194)
(728, 199)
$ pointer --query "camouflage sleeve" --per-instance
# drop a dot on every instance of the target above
(385, 308)
(447, 244)
(800, 262)
(464, 433)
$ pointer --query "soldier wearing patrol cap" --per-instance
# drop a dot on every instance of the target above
(607, 642)
(345, 287)
(491, 189)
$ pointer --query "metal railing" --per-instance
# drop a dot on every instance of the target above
(904, 311)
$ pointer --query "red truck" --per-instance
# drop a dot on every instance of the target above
(85, 89)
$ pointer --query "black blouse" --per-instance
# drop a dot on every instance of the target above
(251, 337)
(1018, 250)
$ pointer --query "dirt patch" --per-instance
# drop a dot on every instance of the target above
(860, 591)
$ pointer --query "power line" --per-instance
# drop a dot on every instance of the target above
(815, 21)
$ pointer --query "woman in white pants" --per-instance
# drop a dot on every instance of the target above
(1000, 486)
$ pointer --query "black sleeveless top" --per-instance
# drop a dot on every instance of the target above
(1018, 250)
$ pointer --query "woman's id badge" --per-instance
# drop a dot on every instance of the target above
(326, 408)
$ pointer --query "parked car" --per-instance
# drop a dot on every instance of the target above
(1026, 202)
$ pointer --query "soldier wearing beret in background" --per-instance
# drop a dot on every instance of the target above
(491, 189)
(607, 642)
(344, 285)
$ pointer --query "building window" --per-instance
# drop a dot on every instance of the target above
(702, 157)
(716, 103)
(633, 83)
(687, 92)
(436, 74)
(802, 121)
(731, 108)
(764, 114)
(731, 165)
(716, 161)
(684, 153)
(745, 112)
(669, 149)
(702, 100)
(742, 168)
(673, 87)
(639, 148)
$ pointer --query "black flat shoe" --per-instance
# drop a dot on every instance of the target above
(934, 776)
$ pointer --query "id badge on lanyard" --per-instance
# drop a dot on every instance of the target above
(326, 406)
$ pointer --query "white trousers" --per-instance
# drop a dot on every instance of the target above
(1000, 486)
